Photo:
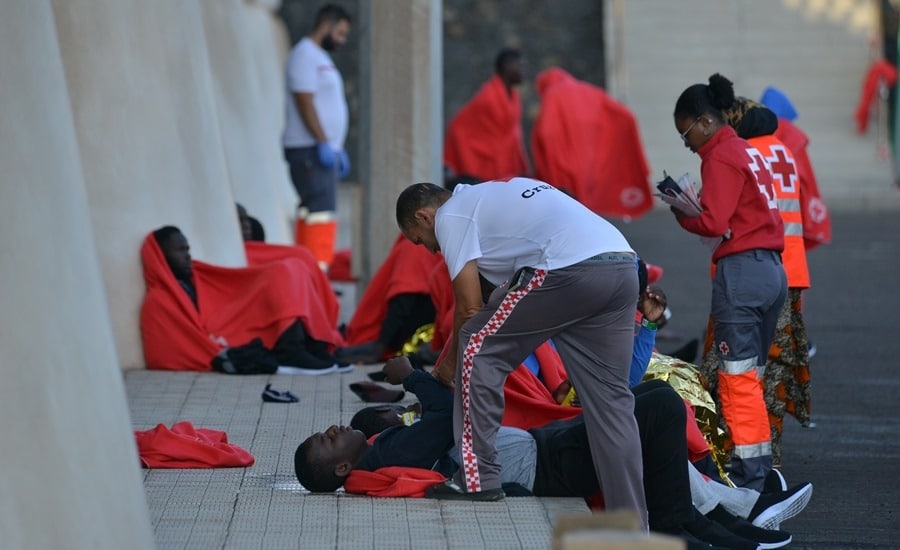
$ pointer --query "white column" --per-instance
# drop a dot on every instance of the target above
(400, 134)
(70, 474)
(151, 147)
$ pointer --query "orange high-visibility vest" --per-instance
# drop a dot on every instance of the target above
(787, 192)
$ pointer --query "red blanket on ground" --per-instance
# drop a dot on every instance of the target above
(183, 446)
(235, 306)
(406, 270)
(259, 253)
(816, 218)
(587, 143)
(484, 139)
(392, 481)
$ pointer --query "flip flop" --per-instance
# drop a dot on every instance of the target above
(274, 396)
(371, 392)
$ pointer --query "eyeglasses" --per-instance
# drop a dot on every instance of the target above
(688, 131)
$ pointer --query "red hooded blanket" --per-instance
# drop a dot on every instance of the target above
(186, 447)
(587, 143)
(235, 306)
(406, 270)
(259, 253)
(816, 219)
(484, 139)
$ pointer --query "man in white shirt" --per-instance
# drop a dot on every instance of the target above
(561, 272)
(316, 119)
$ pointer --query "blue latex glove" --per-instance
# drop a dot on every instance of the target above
(326, 155)
(344, 163)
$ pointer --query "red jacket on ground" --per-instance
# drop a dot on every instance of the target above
(587, 143)
(183, 446)
(236, 305)
(484, 139)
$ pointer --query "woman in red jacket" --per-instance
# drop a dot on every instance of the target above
(749, 287)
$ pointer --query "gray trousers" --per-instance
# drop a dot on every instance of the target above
(748, 291)
(588, 310)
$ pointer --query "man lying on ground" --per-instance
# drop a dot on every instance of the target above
(560, 462)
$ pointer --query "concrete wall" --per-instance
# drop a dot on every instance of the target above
(70, 474)
(243, 49)
(142, 94)
(816, 51)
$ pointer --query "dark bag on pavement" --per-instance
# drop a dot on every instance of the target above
(250, 358)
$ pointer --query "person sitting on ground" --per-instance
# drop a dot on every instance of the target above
(560, 465)
(395, 304)
(192, 310)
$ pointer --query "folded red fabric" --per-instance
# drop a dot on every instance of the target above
(587, 143)
(392, 481)
(236, 305)
(184, 446)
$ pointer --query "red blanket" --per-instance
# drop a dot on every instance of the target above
(235, 306)
(880, 73)
(484, 139)
(392, 481)
(186, 447)
(587, 143)
(529, 403)
(259, 253)
(816, 218)
(406, 270)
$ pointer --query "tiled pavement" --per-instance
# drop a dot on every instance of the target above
(263, 506)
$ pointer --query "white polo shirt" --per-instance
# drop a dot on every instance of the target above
(311, 70)
(519, 223)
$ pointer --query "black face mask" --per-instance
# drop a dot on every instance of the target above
(328, 44)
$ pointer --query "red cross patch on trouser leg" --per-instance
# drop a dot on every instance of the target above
(472, 478)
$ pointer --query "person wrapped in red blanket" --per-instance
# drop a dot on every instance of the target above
(193, 310)
(484, 138)
(588, 144)
(260, 252)
(395, 304)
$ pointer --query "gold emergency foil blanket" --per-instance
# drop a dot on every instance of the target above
(423, 335)
(691, 386)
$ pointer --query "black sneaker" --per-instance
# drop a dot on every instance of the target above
(449, 490)
(773, 508)
(713, 533)
(767, 538)
(774, 482)
(691, 542)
